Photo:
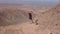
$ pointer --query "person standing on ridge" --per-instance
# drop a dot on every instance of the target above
(31, 18)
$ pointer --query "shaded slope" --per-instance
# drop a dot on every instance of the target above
(9, 16)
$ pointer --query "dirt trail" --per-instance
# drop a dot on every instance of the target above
(24, 28)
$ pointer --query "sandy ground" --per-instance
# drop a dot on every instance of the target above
(14, 20)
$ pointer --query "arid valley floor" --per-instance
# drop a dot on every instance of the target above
(15, 19)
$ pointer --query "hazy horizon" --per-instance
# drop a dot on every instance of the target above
(32, 2)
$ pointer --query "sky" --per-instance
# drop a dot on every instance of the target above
(35, 2)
